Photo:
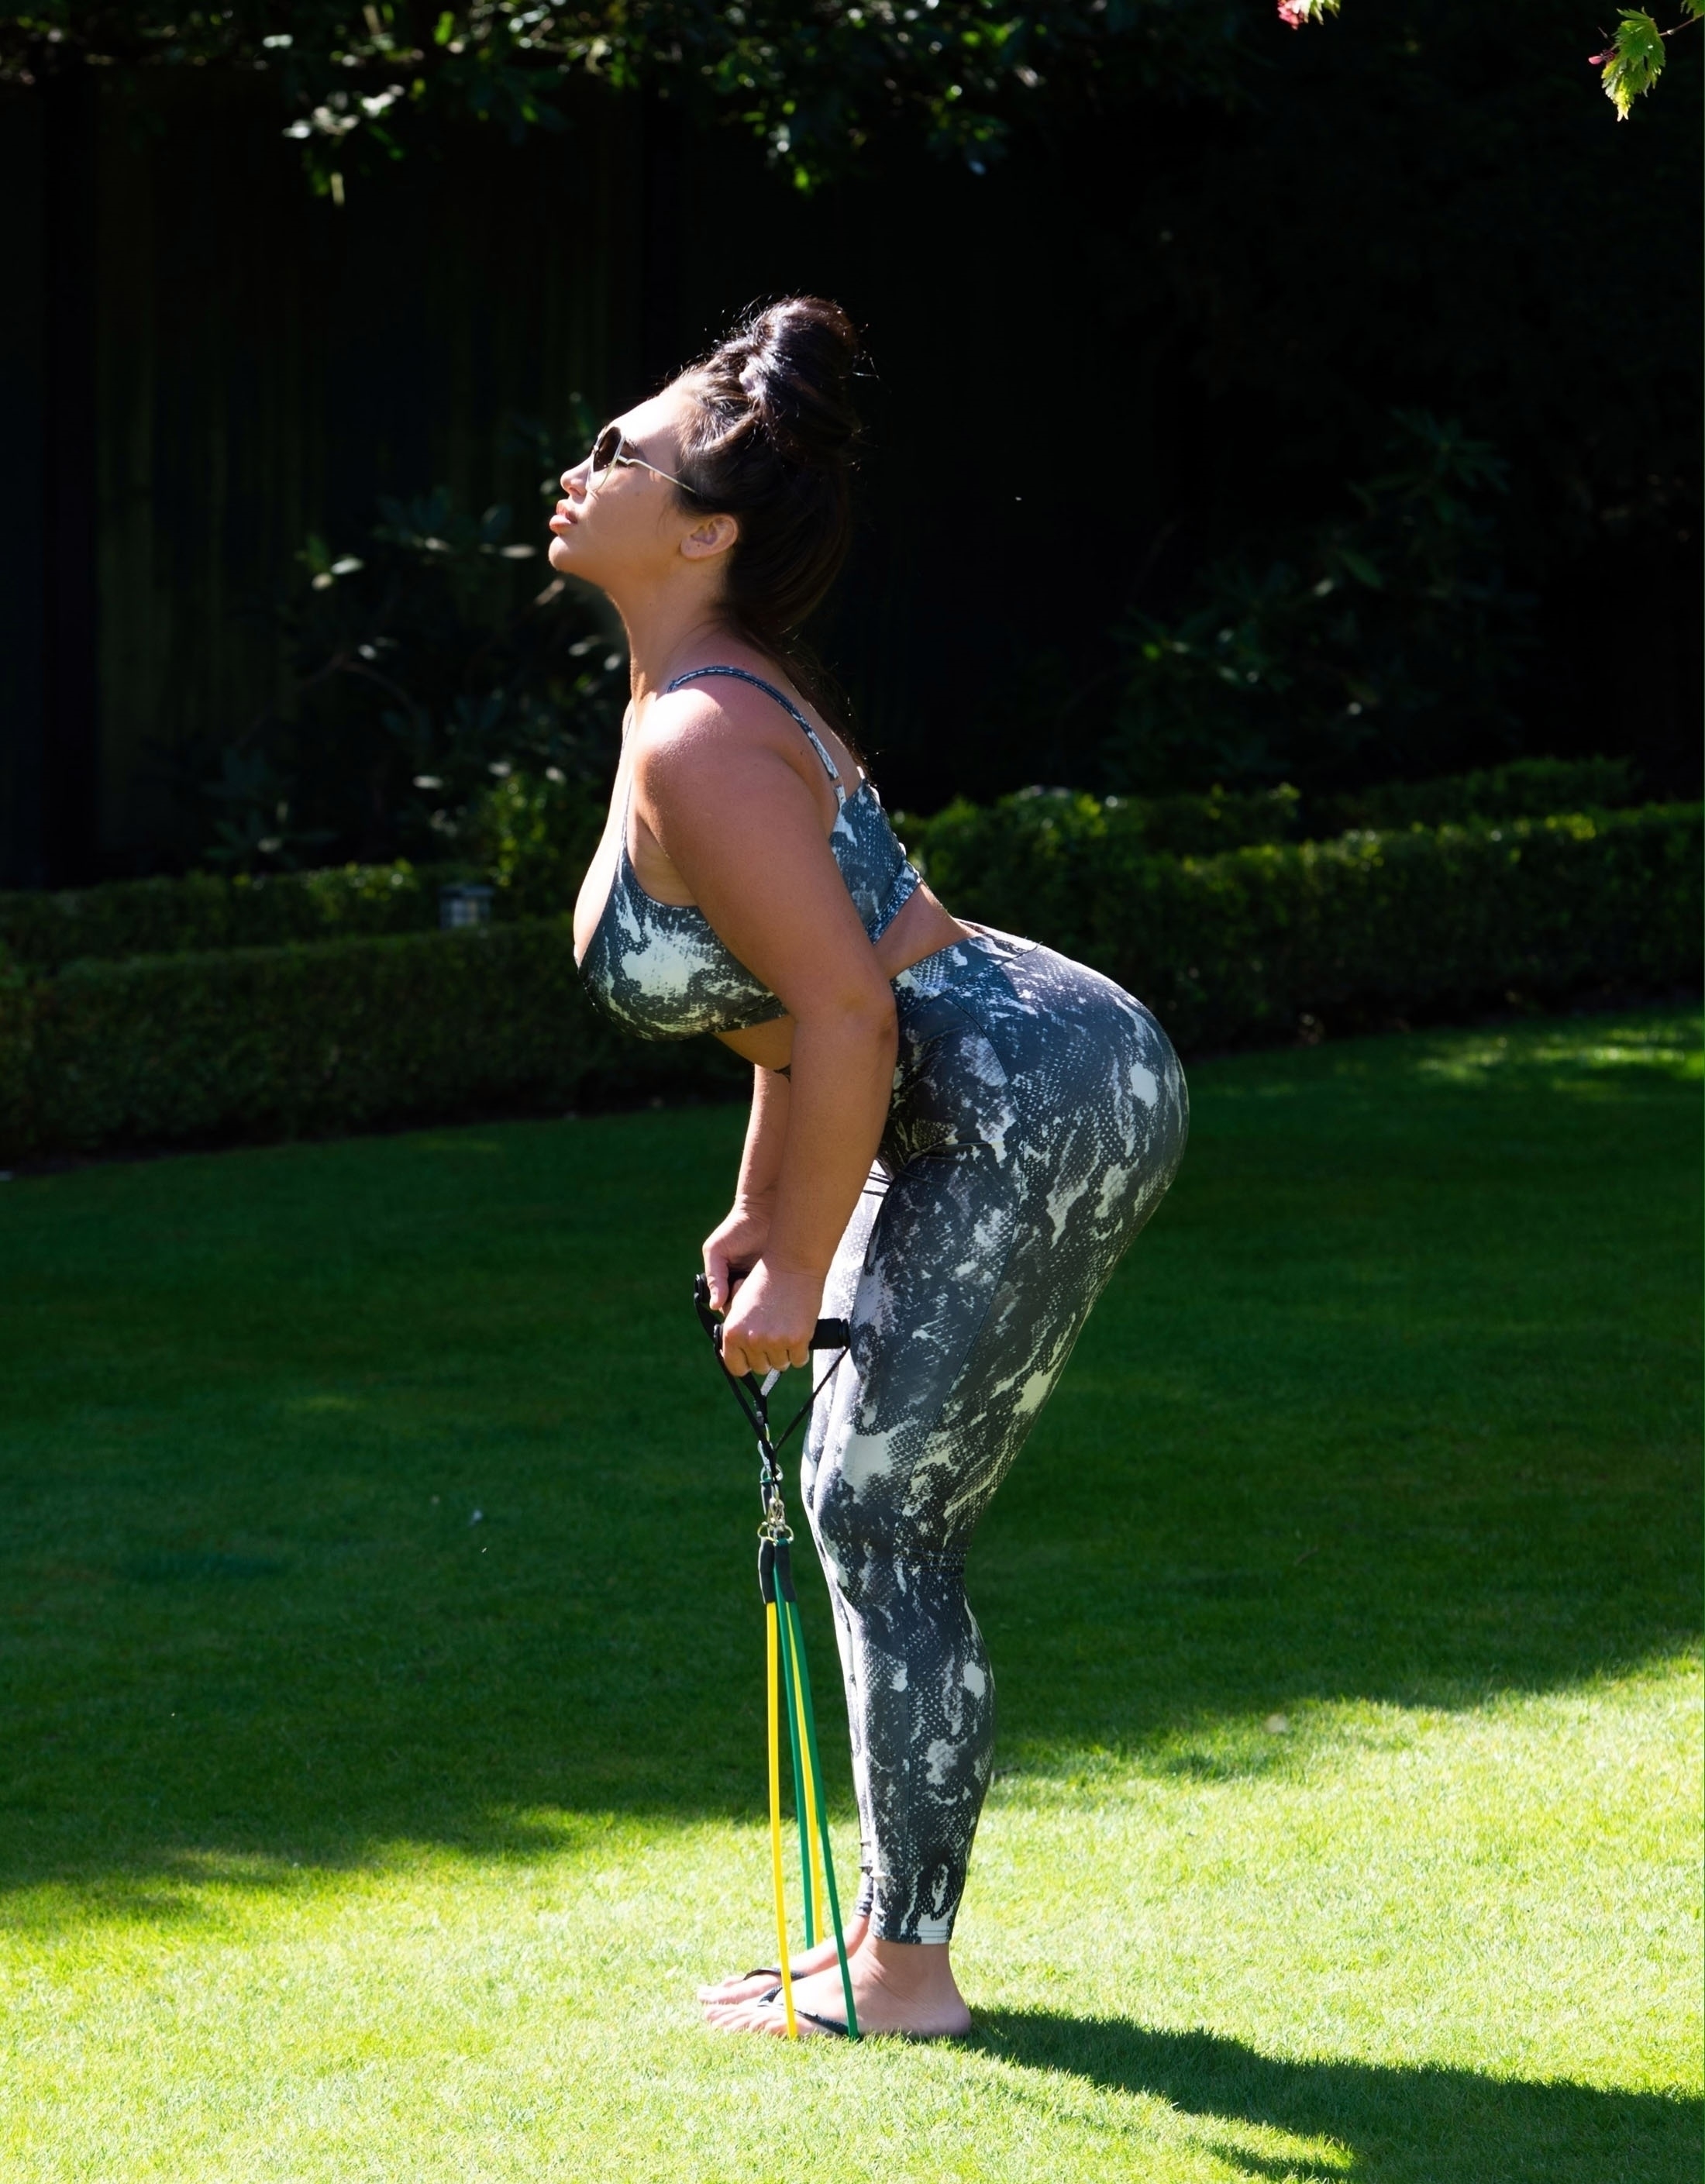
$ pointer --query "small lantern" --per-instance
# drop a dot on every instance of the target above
(463, 903)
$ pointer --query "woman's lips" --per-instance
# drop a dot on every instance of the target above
(564, 517)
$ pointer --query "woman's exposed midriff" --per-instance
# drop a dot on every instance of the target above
(922, 927)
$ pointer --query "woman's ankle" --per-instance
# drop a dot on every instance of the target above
(912, 1968)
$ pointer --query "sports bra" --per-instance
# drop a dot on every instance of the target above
(658, 969)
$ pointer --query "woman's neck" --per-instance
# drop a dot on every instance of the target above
(666, 635)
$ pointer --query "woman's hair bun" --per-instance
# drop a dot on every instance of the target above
(786, 370)
(795, 362)
(771, 445)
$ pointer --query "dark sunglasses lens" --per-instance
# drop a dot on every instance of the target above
(604, 450)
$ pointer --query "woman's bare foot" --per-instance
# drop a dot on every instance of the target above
(907, 1987)
(742, 1987)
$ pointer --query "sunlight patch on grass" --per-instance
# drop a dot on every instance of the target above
(1542, 1914)
(1669, 1045)
(1509, 1894)
(1342, 1611)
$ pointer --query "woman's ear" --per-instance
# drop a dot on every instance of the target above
(714, 535)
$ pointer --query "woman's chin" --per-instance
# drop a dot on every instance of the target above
(559, 553)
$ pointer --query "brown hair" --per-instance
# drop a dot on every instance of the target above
(772, 446)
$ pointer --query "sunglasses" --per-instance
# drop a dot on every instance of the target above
(610, 452)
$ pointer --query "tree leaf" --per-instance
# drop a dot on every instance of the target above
(1634, 61)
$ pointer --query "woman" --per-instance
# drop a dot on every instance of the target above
(954, 1135)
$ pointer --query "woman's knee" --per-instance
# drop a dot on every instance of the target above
(856, 1546)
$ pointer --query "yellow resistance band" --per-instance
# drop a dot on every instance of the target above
(772, 1653)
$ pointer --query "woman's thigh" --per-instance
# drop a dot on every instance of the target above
(1025, 1164)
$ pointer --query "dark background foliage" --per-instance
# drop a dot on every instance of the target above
(1140, 361)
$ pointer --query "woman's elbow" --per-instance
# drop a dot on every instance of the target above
(863, 1014)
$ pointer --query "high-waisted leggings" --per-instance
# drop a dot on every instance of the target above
(1039, 1115)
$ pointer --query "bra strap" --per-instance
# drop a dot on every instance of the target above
(769, 689)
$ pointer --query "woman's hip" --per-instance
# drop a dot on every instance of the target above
(1008, 1046)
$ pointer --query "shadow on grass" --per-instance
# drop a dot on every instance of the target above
(1397, 2126)
(381, 1493)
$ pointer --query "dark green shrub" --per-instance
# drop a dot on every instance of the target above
(1525, 788)
(342, 1035)
(1207, 825)
(1035, 828)
(1370, 926)
(532, 835)
(17, 1041)
(207, 910)
(439, 656)
(1034, 840)
(348, 1035)
(1388, 636)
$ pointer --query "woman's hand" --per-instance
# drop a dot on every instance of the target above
(769, 1325)
(733, 1248)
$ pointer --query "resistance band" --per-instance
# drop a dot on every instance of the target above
(787, 1679)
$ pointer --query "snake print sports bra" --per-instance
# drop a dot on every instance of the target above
(658, 968)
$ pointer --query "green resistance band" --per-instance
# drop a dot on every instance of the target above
(817, 1861)
(789, 1678)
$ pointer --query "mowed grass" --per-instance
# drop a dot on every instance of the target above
(1345, 1609)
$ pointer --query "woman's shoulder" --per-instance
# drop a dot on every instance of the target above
(693, 724)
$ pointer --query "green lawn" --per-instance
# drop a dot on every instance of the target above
(1345, 1609)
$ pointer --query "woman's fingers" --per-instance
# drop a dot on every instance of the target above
(725, 1280)
(750, 1352)
(764, 1350)
(770, 1321)
(729, 1251)
(724, 1277)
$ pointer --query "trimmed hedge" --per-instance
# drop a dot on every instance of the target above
(343, 1035)
(17, 1057)
(1060, 840)
(1525, 788)
(210, 909)
(1372, 925)
(346, 1035)
(968, 836)
(538, 837)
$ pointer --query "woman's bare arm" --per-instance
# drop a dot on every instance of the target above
(736, 1244)
(742, 826)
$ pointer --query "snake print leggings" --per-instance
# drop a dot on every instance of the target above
(1039, 1115)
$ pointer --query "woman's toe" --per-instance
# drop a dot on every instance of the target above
(749, 2016)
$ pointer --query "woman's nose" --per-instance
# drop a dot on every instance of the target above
(572, 481)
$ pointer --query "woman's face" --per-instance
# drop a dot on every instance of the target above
(630, 528)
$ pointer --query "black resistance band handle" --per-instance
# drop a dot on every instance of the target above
(827, 1334)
